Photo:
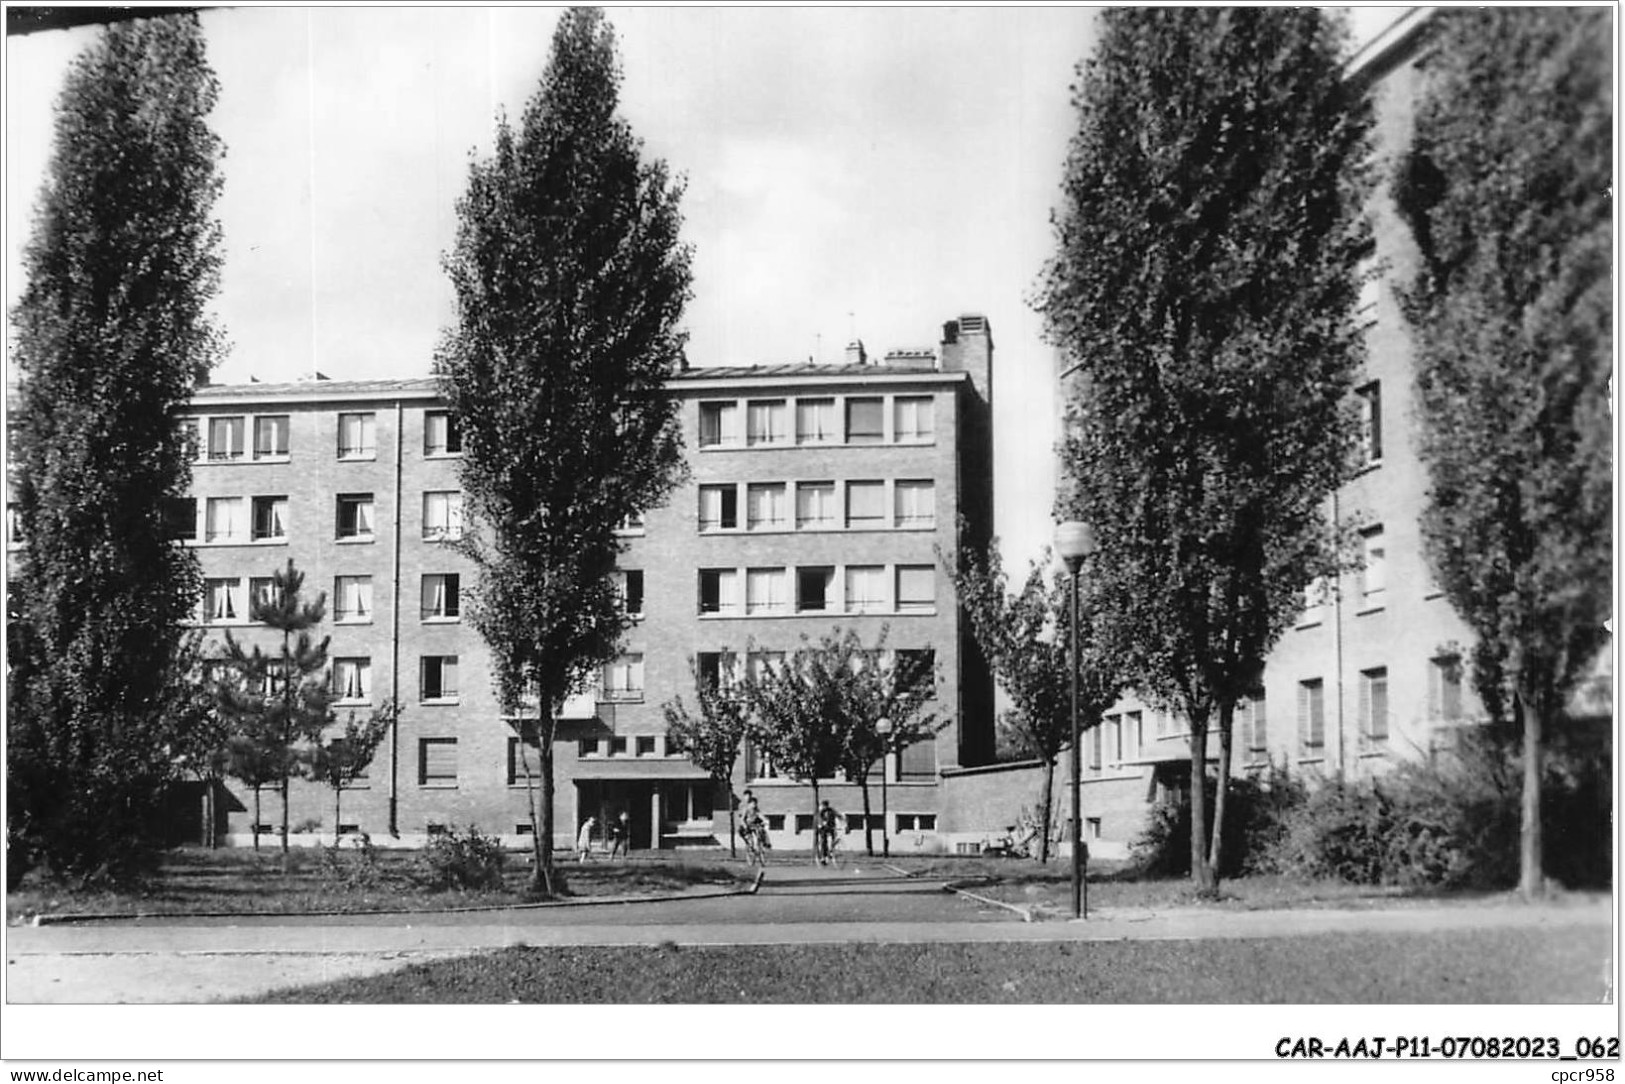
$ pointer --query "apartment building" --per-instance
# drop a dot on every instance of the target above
(1371, 671)
(818, 498)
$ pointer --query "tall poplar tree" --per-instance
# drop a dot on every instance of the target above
(1203, 289)
(570, 279)
(1508, 190)
(110, 336)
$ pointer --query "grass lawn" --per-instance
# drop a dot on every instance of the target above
(237, 881)
(1472, 966)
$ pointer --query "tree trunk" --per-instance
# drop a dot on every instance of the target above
(285, 819)
(256, 818)
(211, 838)
(1048, 799)
(733, 833)
(1531, 880)
(338, 791)
(1201, 872)
(868, 833)
(1227, 716)
(544, 866)
(815, 820)
(535, 814)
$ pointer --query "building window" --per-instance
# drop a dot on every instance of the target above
(767, 422)
(223, 602)
(1252, 714)
(623, 678)
(719, 508)
(352, 598)
(916, 589)
(865, 589)
(911, 419)
(1444, 687)
(355, 515)
(815, 506)
(225, 439)
(271, 436)
(765, 507)
(1128, 743)
(759, 665)
(270, 518)
(1374, 704)
(437, 678)
(916, 822)
(180, 520)
(223, 520)
(437, 762)
(441, 596)
(719, 424)
(1371, 422)
(775, 822)
(629, 589)
(261, 595)
(1314, 602)
(916, 667)
(814, 587)
(442, 515)
(1374, 574)
(1091, 827)
(1096, 742)
(865, 504)
(815, 421)
(357, 437)
(632, 524)
(646, 745)
(352, 680)
(1311, 717)
(865, 420)
(587, 747)
(441, 433)
(916, 504)
(764, 591)
(617, 747)
(719, 591)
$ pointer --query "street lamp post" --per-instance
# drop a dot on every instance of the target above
(883, 728)
(1074, 541)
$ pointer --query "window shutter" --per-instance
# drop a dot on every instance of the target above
(865, 501)
(919, 760)
(916, 586)
(439, 759)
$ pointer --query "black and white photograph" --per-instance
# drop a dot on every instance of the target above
(810, 533)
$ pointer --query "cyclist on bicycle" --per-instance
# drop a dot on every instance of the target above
(826, 833)
(755, 830)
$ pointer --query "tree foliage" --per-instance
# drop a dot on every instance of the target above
(338, 760)
(1027, 638)
(1203, 288)
(712, 735)
(1508, 190)
(110, 335)
(570, 279)
(817, 713)
(282, 701)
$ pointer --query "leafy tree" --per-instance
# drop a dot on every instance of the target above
(869, 692)
(1508, 190)
(1203, 288)
(796, 711)
(570, 280)
(284, 700)
(712, 736)
(1027, 639)
(340, 760)
(111, 335)
(202, 743)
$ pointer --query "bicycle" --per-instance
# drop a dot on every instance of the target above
(827, 843)
(755, 839)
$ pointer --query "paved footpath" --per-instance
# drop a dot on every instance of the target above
(181, 961)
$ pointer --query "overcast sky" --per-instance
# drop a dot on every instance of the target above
(851, 172)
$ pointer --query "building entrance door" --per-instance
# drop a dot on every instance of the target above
(607, 799)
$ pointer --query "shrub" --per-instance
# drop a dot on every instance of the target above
(1258, 810)
(462, 861)
(352, 868)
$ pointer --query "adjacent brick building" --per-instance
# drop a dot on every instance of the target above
(819, 497)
